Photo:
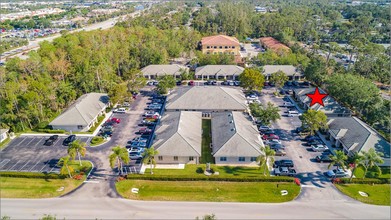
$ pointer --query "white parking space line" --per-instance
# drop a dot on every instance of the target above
(88, 140)
(51, 169)
(43, 167)
(91, 181)
(30, 141)
(4, 162)
(34, 165)
(21, 142)
(38, 142)
(24, 165)
(309, 186)
(14, 165)
(57, 141)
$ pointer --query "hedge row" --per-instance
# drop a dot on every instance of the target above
(365, 181)
(50, 131)
(211, 178)
(32, 175)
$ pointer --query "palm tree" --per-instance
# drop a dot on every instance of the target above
(65, 168)
(371, 159)
(120, 155)
(355, 160)
(149, 157)
(77, 148)
(338, 159)
(267, 155)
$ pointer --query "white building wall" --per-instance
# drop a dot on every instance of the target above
(170, 160)
(235, 161)
(3, 136)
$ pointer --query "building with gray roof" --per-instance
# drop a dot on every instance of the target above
(155, 71)
(222, 72)
(292, 72)
(178, 138)
(83, 113)
(206, 99)
(331, 107)
(354, 136)
(235, 139)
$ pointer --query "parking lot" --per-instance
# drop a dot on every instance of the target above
(308, 169)
(29, 154)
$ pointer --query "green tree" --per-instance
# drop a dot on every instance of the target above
(266, 157)
(166, 83)
(149, 157)
(252, 79)
(371, 158)
(338, 159)
(77, 148)
(267, 114)
(120, 155)
(314, 120)
(316, 71)
(355, 160)
(207, 217)
(65, 168)
(278, 78)
(332, 47)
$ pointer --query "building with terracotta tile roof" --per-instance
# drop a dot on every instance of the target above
(272, 44)
(220, 44)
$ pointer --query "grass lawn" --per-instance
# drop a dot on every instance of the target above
(198, 169)
(207, 191)
(12, 187)
(206, 151)
(377, 194)
(359, 173)
(97, 141)
(4, 143)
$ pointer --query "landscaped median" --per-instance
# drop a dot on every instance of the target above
(41, 185)
(371, 191)
(233, 184)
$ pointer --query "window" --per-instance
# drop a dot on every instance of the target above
(223, 159)
(233, 52)
(160, 157)
(252, 159)
(191, 158)
(80, 127)
(215, 47)
(220, 52)
(242, 159)
(214, 53)
(233, 47)
(207, 47)
(221, 47)
(207, 52)
(226, 47)
(175, 158)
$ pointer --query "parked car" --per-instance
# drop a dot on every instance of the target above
(51, 140)
(319, 148)
(119, 110)
(270, 131)
(314, 142)
(140, 139)
(178, 83)
(136, 150)
(191, 83)
(284, 171)
(277, 146)
(264, 128)
(151, 113)
(270, 137)
(116, 120)
(288, 83)
(293, 113)
(69, 140)
(135, 155)
(273, 141)
(145, 130)
(252, 97)
(137, 144)
(288, 104)
(280, 152)
(295, 83)
(126, 104)
(323, 159)
(337, 173)
(283, 163)
(311, 138)
(147, 123)
(236, 83)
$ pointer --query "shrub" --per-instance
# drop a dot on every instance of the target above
(51, 131)
(365, 181)
(78, 177)
(43, 125)
(32, 175)
(100, 119)
(212, 178)
(97, 140)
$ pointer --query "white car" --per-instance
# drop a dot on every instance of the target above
(293, 113)
(126, 104)
(254, 101)
(337, 173)
(319, 148)
(119, 110)
(273, 141)
(252, 97)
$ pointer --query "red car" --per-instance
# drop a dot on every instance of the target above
(191, 83)
(145, 130)
(270, 137)
(116, 120)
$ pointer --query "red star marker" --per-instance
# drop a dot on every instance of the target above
(316, 97)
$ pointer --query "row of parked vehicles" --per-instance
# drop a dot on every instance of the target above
(151, 117)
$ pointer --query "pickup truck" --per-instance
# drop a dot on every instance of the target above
(284, 171)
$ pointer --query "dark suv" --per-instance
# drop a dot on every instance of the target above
(283, 163)
(51, 140)
(69, 140)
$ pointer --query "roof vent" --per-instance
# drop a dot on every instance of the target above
(229, 115)
(231, 122)
(232, 129)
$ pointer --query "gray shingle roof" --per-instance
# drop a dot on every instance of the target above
(161, 70)
(289, 70)
(179, 134)
(233, 135)
(330, 105)
(83, 110)
(358, 136)
(206, 98)
(220, 70)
